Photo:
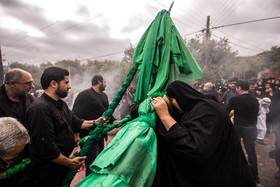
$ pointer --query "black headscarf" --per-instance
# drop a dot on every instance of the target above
(184, 94)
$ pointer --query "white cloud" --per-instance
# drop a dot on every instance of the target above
(39, 31)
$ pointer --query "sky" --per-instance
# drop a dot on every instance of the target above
(40, 31)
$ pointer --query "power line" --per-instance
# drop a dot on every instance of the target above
(80, 11)
(224, 11)
(110, 54)
(197, 15)
(177, 20)
(221, 9)
(176, 13)
(183, 22)
(240, 40)
(237, 44)
(217, 7)
(55, 33)
(202, 30)
(240, 23)
(230, 12)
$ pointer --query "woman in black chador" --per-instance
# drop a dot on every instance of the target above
(197, 145)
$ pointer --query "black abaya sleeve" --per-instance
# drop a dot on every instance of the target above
(197, 135)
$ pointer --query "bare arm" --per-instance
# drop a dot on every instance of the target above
(89, 123)
(74, 164)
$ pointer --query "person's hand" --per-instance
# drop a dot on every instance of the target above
(97, 121)
(76, 163)
(231, 113)
(77, 138)
(160, 106)
(76, 150)
(3, 175)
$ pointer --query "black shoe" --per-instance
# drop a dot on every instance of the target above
(260, 142)
(277, 175)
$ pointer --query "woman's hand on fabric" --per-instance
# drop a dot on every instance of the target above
(162, 111)
(160, 106)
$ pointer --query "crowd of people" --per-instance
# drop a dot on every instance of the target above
(254, 108)
(201, 136)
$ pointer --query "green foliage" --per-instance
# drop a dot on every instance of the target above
(35, 71)
(214, 57)
(267, 61)
(217, 60)
(128, 54)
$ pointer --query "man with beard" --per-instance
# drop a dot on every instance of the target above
(14, 101)
(231, 92)
(90, 104)
(197, 144)
(52, 125)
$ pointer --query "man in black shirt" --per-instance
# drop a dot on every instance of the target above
(14, 94)
(231, 92)
(51, 125)
(15, 99)
(245, 109)
(90, 104)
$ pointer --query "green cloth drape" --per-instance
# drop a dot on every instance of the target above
(163, 57)
(130, 158)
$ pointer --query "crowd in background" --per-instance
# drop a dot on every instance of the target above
(258, 88)
(266, 92)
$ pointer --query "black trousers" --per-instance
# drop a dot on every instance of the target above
(277, 144)
(249, 135)
(46, 175)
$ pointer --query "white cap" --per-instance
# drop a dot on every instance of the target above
(266, 100)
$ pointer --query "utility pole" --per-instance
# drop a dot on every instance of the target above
(1, 68)
(208, 34)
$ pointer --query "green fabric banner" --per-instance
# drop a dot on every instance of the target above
(130, 158)
(163, 57)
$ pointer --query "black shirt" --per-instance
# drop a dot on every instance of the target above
(90, 105)
(17, 108)
(51, 125)
(245, 108)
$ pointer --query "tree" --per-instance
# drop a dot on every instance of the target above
(35, 71)
(214, 57)
(128, 54)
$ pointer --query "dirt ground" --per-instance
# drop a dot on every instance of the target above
(266, 165)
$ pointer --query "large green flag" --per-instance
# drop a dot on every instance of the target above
(130, 158)
(163, 57)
